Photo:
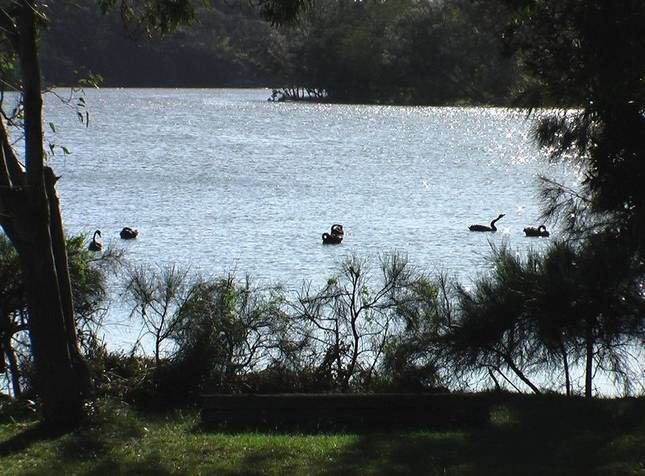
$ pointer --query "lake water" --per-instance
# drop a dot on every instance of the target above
(223, 180)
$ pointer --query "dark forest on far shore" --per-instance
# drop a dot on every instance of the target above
(397, 52)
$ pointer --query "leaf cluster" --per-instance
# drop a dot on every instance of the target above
(533, 315)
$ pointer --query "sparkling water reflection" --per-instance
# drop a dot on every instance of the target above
(222, 179)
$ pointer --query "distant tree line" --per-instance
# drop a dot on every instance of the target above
(402, 51)
(225, 45)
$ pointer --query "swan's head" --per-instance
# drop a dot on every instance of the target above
(97, 232)
(492, 223)
(542, 228)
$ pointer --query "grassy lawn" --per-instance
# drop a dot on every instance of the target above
(118, 441)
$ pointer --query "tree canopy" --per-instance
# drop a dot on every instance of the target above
(224, 46)
(400, 51)
(583, 299)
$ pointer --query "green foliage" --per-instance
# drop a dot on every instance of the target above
(579, 51)
(206, 334)
(227, 335)
(153, 16)
(588, 54)
(346, 327)
(412, 359)
(125, 377)
(533, 316)
(397, 52)
(581, 304)
(225, 329)
(226, 45)
(92, 80)
(282, 11)
(89, 291)
(156, 296)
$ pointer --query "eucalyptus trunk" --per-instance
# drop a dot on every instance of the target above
(31, 220)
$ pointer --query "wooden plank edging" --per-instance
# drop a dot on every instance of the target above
(344, 410)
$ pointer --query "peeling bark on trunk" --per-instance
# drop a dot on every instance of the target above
(81, 369)
(32, 222)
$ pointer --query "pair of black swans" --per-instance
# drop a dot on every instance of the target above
(335, 237)
(529, 230)
(126, 233)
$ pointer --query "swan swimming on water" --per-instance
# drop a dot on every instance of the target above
(539, 231)
(129, 233)
(95, 245)
(331, 239)
(336, 236)
(492, 226)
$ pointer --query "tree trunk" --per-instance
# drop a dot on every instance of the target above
(589, 344)
(517, 371)
(565, 364)
(13, 368)
(492, 376)
(81, 369)
(508, 380)
(60, 257)
(57, 377)
(55, 382)
(351, 367)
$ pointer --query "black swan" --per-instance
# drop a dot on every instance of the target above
(331, 239)
(539, 231)
(337, 230)
(336, 236)
(484, 227)
(129, 233)
(95, 245)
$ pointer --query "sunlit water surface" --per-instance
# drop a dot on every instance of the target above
(222, 180)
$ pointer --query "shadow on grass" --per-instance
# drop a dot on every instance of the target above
(536, 437)
(90, 445)
(525, 436)
(150, 465)
(25, 439)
